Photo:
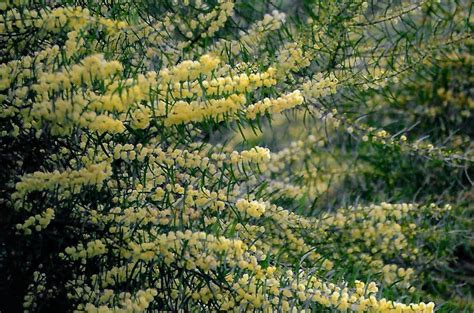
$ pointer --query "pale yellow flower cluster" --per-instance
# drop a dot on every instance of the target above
(252, 208)
(219, 109)
(320, 87)
(64, 183)
(36, 222)
(277, 105)
(138, 302)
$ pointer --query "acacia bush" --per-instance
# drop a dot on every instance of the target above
(236, 155)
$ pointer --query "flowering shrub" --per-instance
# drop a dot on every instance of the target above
(228, 155)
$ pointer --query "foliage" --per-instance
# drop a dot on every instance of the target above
(236, 155)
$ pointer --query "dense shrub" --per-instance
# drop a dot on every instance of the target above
(236, 155)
